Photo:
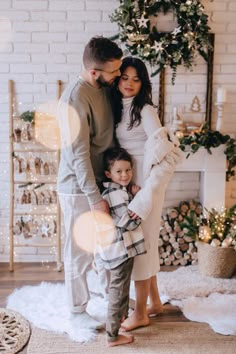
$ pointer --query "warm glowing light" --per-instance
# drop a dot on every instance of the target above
(47, 122)
(46, 125)
(204, 233)
(94, 228)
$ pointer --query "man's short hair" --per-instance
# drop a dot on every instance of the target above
(99, 50)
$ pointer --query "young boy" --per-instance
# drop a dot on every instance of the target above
(127, 242)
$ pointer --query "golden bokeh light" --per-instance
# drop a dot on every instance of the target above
(94, 228)
(47, 130)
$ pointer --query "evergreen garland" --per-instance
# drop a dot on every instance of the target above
(209, 139)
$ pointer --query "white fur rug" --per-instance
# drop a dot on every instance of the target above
(201, 299)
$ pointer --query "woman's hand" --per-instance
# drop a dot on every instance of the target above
(132, 215)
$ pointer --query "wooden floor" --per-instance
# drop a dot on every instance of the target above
(34, 273)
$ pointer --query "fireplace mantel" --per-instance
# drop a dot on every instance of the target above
(213, 169)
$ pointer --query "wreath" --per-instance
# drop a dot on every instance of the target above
(161, 49)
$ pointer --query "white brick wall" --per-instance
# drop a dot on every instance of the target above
(43, 43)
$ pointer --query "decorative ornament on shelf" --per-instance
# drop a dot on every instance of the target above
(24, 128)
(209, 139)
(220, 101)
(177, 126)
(195, 105)
(139, 25)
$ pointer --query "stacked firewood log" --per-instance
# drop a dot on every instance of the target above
(178, 232)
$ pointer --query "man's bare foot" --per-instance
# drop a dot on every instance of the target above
(134, 322)
(154, 310)
(121, 339)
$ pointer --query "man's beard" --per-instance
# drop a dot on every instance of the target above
(103, 82)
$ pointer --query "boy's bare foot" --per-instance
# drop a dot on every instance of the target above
(154, 310)
(121, 339)
(134, 322)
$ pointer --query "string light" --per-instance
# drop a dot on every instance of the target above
(220, 229)
(35, 224)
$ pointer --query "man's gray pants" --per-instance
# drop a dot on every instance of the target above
(77, 261)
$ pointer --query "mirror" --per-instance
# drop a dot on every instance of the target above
(191, 96)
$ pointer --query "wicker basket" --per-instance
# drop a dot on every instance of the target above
(217, 262)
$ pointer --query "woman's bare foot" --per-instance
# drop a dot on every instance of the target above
(122, 319)
(134, 322)
(154, 310)
(121, 339)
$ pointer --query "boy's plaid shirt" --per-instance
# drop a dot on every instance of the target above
(126, 239)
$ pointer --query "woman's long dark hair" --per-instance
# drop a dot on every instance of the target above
(143, 97)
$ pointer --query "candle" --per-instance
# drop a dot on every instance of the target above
(174, 113)
(179, 134)
(221, 94)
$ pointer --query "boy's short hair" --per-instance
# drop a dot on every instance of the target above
(99, 50)
(115, 154)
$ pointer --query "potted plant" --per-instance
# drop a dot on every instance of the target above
(28, 116)
(217, 243)
(26, 132)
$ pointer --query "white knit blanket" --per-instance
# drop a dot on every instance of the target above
(160, 158)
(201, 299)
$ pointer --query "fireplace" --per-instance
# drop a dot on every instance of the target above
(212, 168)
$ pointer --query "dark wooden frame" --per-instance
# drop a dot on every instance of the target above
(209, 85)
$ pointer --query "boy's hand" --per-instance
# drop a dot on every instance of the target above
(134, 189)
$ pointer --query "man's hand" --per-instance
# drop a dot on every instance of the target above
(101, 206)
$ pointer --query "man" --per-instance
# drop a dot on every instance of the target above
(86, 125)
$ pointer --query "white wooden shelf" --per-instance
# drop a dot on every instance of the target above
(35, 245)
(32, 213)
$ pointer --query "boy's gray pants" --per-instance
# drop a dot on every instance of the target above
(77, 261)
(118, 305)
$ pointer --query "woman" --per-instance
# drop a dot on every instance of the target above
(136, 119)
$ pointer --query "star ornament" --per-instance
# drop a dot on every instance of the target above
(176, 31)
(142, 21)
(45, 229)
(158, 47)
